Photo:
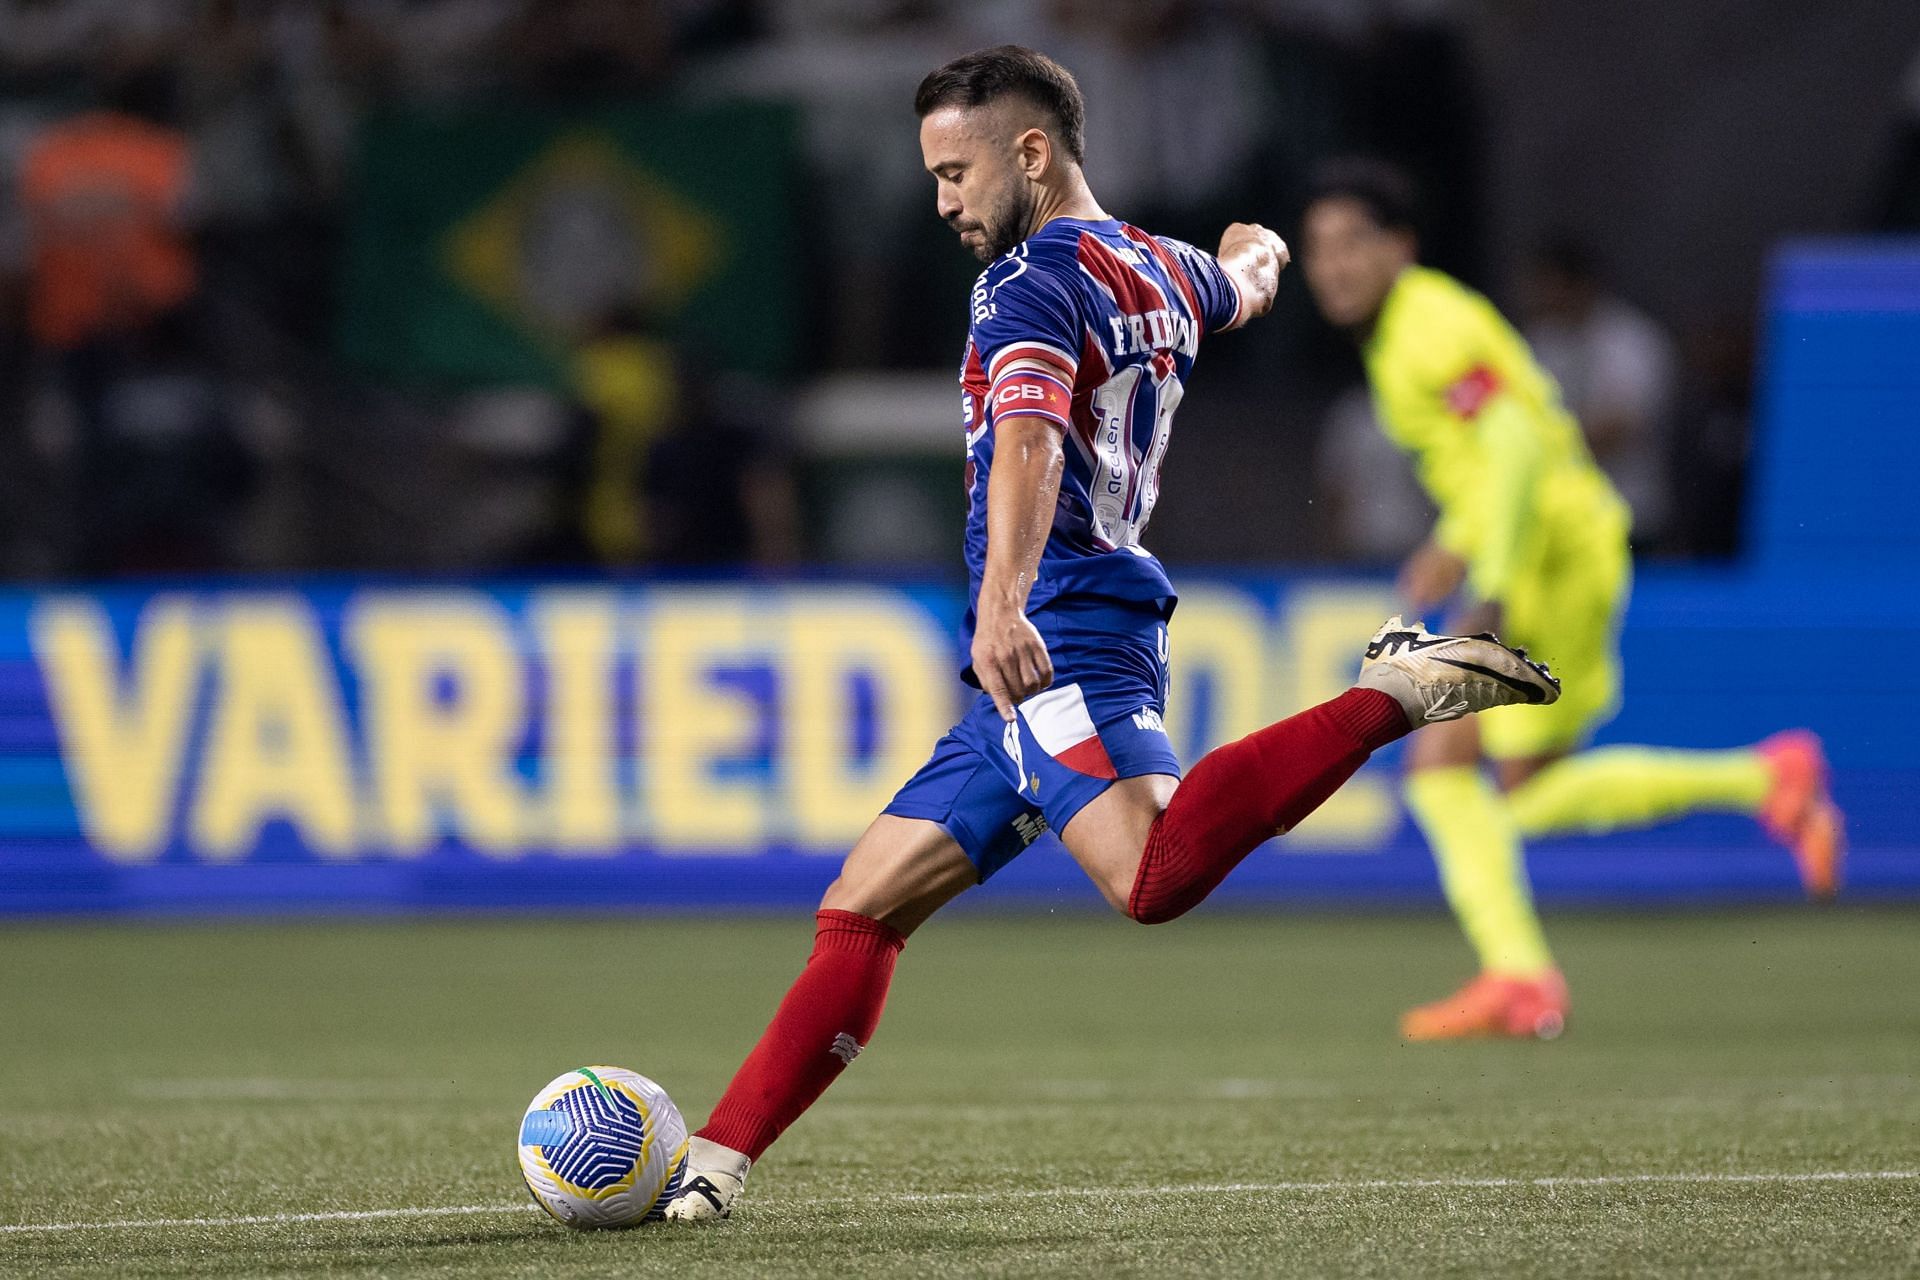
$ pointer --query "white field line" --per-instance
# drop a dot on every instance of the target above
(1033, 1193)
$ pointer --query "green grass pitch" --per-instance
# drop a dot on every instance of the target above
(1049, 1095)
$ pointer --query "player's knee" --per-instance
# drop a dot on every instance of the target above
(1117, 886)
(899, 874)
(890, 899)
(869, 886)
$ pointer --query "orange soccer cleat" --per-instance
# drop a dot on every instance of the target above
(1494, 1005)
(1799, 811)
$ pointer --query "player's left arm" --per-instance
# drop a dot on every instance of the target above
(1252, 258)
(1237, 284)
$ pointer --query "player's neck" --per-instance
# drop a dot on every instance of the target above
(1072, 200)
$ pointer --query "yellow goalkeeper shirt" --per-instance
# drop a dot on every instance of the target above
(1458, 391)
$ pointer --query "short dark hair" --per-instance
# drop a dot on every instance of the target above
(1384, 190)
(1010, 70)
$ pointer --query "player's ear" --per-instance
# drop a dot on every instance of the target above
(1033, 152)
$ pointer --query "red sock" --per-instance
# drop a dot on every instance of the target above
(827, 1017)
(1243, 793)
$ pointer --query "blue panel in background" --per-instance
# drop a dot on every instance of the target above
(1837, 458)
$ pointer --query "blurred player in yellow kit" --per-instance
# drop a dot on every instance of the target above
(1533, 537)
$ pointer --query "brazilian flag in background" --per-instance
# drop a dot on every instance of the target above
(487, 246)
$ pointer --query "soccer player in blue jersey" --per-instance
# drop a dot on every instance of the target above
(1083, 333)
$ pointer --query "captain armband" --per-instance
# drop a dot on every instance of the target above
(1030, 393)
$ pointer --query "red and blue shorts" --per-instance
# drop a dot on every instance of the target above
(995, 787)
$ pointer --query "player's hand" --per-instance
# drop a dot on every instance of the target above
(1430, 576)
(1241, 237)
(1009, 659)
(1255, 257)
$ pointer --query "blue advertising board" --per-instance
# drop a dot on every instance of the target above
(343, 747)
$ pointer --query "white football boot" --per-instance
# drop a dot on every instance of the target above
(716, 1176)
(1437, 678)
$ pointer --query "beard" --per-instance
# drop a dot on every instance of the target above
(1003, 228)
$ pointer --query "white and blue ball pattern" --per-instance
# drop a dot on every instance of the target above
(603, 1147)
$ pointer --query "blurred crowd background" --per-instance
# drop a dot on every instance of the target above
(495, 285)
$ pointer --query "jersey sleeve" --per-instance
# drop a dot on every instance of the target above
(1024, 315)
(1218, 295)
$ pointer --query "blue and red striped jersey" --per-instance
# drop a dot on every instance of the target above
(1105, 321)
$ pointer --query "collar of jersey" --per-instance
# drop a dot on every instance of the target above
(1098, 224)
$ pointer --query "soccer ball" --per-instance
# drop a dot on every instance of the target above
(603, 1147)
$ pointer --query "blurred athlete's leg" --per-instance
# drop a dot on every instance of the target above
(1566, 614)
(1476, 845)
(1780, 783)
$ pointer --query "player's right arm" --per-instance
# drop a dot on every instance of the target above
(1027, 330)
(1009, 658)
